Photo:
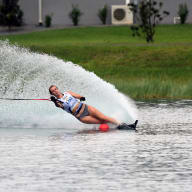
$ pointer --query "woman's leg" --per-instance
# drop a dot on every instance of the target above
(93, 112)
(91, 120)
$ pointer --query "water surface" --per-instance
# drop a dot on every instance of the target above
(156, 158)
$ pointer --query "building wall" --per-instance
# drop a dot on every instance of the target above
(172, 7)
(30, 9)
(61, 8)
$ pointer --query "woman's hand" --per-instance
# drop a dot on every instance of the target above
(57, 103)
(82, 99)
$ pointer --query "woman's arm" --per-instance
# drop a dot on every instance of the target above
(74, 94)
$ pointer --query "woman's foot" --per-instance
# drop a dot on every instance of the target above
(124, 126)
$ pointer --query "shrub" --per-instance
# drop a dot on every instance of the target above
(183, 13)
(75, 14)
(102, 14)
(48, 19)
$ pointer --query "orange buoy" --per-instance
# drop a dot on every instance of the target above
(104, 127)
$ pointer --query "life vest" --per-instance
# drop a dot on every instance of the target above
(70, 103)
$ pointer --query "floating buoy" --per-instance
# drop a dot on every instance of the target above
(104, 127)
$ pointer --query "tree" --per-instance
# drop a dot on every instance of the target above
(147, 15)
(10, 14)
(183, 12)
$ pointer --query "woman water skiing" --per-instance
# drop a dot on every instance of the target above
(71, 102)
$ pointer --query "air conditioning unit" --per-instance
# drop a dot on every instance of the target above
(121, 14)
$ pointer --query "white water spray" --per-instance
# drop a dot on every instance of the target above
(24, 74)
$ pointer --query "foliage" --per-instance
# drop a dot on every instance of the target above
(183, 13)
(147, 15)
(102, 14)
(75, 14)
(10, 13)
(48, 20)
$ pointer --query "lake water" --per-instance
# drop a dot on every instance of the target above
(156, 158)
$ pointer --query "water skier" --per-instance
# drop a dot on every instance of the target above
(72, 103)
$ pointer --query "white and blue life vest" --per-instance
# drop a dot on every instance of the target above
(69, 102)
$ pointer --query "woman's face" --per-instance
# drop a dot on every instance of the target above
(55, 91)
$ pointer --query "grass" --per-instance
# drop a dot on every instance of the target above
(159, 70)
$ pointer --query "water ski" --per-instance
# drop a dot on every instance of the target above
(125, 126)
